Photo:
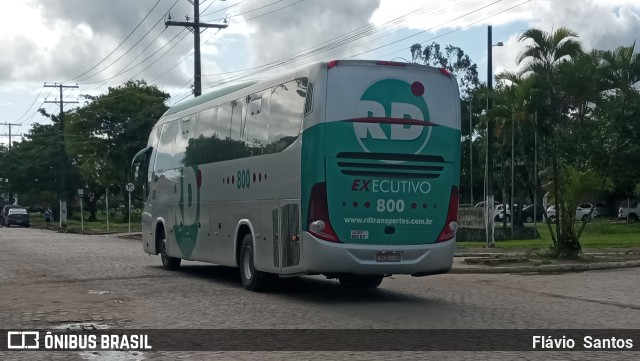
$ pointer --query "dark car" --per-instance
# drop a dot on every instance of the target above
(527, 213)
(4, 211)
(15, 215)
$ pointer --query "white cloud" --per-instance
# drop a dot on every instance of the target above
(452, 14)
(67, 37)
(293, 30)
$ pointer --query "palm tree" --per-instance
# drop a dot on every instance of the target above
(618, 115)
(515, 103)
(542, 58)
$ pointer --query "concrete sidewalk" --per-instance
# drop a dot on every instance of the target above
(610, 258)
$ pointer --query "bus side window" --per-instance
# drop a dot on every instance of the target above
(224, 117)
(256, 127)
(164, 158)
(206, 132)
(153, 142)
(237, 118)
(182, 139)
(285, 121)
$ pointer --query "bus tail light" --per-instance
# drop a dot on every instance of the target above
(318, 220)
(451, 224)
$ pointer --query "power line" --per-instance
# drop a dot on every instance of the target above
(131, 48)
(219, 10)
(338, 41)
(119, 45)
(30, 106)
(461, 28)
(249, 11)
(296, 57)
(424, 31)
(104, 81)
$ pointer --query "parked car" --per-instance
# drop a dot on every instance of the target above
(588, 206)
(632, 213)
(527, 213)
(5, 211)
(582, 214)
(498, 213)
(18, 216)
(481, 204)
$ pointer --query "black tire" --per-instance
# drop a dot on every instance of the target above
(528, 219)
(586, 218)
(252, 279)
(360, 281)
(633, 218)
(552, 219)
(508, 218)
(169, 263)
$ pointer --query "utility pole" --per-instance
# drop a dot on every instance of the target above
(63, 153)
(9, 174)
(194, 27)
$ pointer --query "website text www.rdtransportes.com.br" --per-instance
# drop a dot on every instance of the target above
(374, 220)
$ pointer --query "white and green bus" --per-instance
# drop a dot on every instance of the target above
(348, 169)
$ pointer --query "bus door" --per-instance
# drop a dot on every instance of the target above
(140, 176)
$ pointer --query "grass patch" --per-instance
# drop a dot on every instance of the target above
(601, 233)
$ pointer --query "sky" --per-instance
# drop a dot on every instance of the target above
(98, 44)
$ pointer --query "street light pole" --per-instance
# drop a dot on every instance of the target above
(490, 126)
(490, 205)
(471, 151)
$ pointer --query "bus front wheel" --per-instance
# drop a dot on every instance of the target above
(252, 279)
(360, 281)
(168, 262)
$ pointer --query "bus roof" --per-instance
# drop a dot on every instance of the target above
(207, 97)
(232, 88)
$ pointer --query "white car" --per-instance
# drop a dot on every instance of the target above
(498, 213)
(582, 214)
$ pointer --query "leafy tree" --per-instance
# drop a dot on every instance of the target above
(108, 131)
(35, 166)
(466, 72)
(453, 59)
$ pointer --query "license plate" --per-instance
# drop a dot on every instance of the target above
(388, 257)
(359, 234)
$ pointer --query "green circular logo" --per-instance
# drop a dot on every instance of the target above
(394, 99)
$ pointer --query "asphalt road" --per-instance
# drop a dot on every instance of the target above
(50, 280)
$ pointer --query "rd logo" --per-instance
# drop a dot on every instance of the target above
(395, 99)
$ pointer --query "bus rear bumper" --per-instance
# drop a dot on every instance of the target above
(325, 257)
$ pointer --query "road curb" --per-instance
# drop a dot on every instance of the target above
(580, 267)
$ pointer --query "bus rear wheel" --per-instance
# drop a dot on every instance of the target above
(168, 262)
(252, 279)
(360, 281)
